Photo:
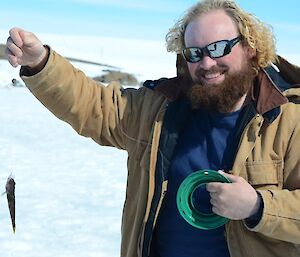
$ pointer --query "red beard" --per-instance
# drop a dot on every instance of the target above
(222, 97)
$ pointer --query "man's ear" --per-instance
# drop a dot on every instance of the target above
(251, 53)
(182, 69)
(181, 66)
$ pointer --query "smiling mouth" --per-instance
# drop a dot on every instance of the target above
(212, 75)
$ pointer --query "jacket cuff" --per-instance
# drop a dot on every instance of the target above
(253, 220)
(28, 71)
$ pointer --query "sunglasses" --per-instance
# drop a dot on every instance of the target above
(214, 50)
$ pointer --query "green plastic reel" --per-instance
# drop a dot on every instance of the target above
(185, 203)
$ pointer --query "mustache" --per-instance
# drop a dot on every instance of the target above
(215, 69)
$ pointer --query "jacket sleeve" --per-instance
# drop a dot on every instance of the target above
(92, 109)
(281, 213)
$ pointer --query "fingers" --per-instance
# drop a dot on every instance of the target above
(218, 206)
(219, 211)
(12, 59)
(216, 197)
(13, 47)
(214, 187)
(13, 50)
(232, 178)
(22, 38)
(217, 186)
(15, 36)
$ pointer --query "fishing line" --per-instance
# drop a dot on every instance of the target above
(185, 202)
(8, 156)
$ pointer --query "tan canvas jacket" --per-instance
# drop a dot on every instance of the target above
(132, 119)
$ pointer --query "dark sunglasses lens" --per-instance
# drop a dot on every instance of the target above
(218, 49)
(193, 54)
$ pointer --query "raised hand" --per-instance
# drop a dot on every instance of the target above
(24, 48)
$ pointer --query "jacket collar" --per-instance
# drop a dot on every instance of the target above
(265, 93)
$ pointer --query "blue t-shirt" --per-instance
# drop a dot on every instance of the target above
(206, 142)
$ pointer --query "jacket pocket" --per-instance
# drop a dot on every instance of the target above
(265, 174)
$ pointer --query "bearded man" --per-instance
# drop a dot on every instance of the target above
(230, 109)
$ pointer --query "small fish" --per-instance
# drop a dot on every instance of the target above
(10, 193)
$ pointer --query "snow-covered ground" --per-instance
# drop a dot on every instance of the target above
(69, 190)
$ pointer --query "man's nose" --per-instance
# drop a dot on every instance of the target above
(206, 63)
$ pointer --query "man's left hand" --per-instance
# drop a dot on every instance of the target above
(237, 200)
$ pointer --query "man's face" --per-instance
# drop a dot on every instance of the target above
(214, 74)
(206, 29)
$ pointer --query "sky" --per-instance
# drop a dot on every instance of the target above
(133, 18)
(137, 19)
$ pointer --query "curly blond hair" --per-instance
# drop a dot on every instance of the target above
(256, 34)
